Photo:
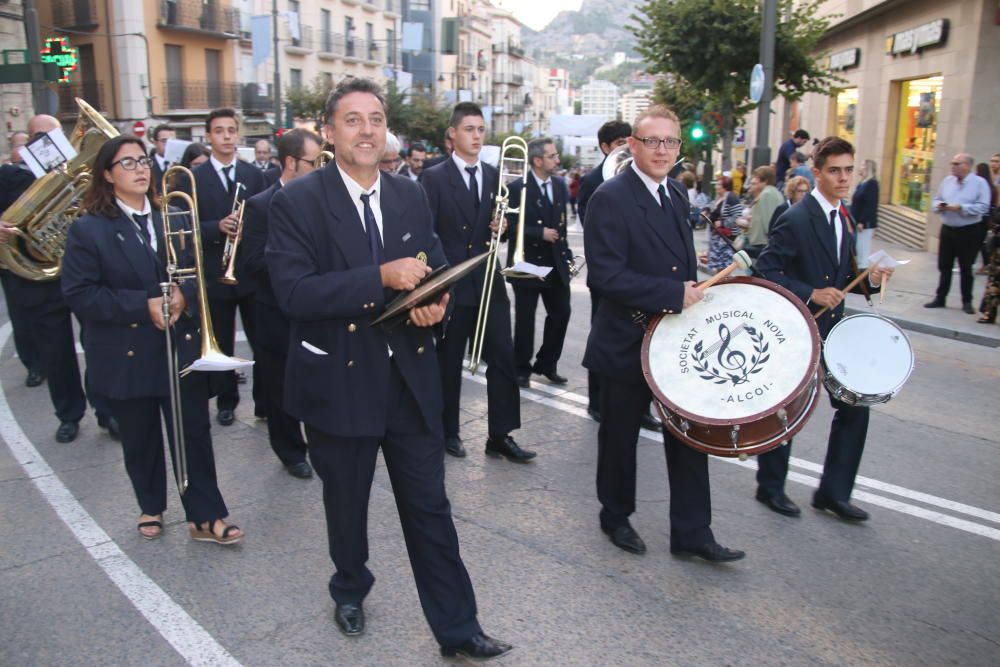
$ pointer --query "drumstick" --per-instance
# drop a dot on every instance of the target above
(851, 285)
(741, 260)
(885, 284)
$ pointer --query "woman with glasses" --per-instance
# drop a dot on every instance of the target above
(864, 210)
(796, 188)
(112, 270)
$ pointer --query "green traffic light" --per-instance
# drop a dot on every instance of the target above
(697, 132)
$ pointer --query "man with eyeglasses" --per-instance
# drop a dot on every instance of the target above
(962, 199)
(218, 182)
(44, 315)
(161, 135)
(390, 159)
(298, 151)
(544, 245)
(640, 255)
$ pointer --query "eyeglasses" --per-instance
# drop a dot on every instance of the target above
(314, 163)
(803, 191)
(131, 163)
(652, 143)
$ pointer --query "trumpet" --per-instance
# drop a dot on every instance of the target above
(513, 152)
(576, 264)
(177, 273)
(233, 242)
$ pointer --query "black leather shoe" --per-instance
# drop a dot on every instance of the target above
(713, 552)
(780, 503)
(651, 422)
(113, 431)
(350, 618)
(478, 648)
(506, 447)
(34, 379)
(523, 381)
(454, 447)
(226, 417)
(594, 414)
(302, 470)
(67, 432)
(936, 303)
(968, 309)
(841, 508)
(553, 377)
(625, 538)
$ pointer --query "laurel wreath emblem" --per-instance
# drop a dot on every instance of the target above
(708, 371)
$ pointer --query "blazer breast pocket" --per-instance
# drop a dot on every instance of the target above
(312, 348)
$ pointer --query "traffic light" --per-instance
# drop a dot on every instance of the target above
(697, 132)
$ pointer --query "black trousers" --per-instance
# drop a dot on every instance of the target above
(555, 298)
(502, 392)
(24, 341)
(843, 456)
(51, 327)
(622, 407)
(961, 243)
(142, 443)
(282, 430)
(593, 379)
(224, 323)
(414, 459)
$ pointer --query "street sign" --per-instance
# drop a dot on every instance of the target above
(757, 83)
(739, 137)
(139, 128)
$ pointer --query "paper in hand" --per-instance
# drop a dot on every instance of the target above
(527, 267)
(217, 362)
(882, 259)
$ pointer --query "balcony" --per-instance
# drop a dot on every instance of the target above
(517, 80)
(251, 102)
(372, 54)
(351, 49)
(370, 5)
(466, 59)
(92, 92)
(331, 45)
(516, 51)
(74, 14)
(199, 16)
(303, 44)
(393, 7)
(185, 94)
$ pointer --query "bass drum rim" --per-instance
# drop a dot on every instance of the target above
(665, 405)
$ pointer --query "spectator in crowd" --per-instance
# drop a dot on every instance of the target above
(697, 200)
(724, 211)
(864, 210)
(414, 163)
(995, 169)
(786, 151)
(194, 155)
(391, 158)
(574, 189)
(983, 171)
(962, 199)
(798, 166)
(739, 176)
(796, 188)
(991, 248)
(765, 198)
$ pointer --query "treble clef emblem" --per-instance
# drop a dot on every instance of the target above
(732, 360)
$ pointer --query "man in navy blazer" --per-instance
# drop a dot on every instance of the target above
(810, 252)
(161, 135)
(343, 241)
(544, 245)
(461, 191)
(640, 254)
(297, 150)
(216, 184)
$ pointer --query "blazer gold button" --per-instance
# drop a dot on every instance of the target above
(673, 268)
(407, 321)
(826, 277)
(350, 364)
(134, 325)
(131, 353)
(187, 336)
(371, 305)
(352, 327)
(470, 246)
(365, 306)
(670, 312)
(420, 350)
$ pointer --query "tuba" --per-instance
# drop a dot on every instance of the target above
(43, 214)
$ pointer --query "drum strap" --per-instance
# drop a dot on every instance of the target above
(854, 255)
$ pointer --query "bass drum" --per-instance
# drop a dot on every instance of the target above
(738, 373)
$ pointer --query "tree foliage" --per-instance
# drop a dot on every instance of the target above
(708, 48)
(307, 102)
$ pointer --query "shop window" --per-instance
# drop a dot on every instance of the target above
(919, 105)
(847, 110)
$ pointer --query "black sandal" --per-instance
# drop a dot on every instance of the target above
(200, 534)
(150, 524)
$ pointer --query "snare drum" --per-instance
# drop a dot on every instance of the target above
(867, 360)
(736, 374)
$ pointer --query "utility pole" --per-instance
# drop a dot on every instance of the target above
(761, 154)
(41, 96)
(277, 70)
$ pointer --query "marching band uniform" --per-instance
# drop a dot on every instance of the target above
(542, 210)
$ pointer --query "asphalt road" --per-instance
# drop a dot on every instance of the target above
(916, 585)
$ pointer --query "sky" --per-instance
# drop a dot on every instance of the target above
(536, 14)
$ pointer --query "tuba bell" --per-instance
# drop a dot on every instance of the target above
(43, 214)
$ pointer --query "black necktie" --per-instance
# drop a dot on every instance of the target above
(374, 240)
(140, 222)
(545, 193)
(229, 179)
(473, 186)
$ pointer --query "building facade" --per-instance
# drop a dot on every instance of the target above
(632, 104)
(599, 98)
(15, 98)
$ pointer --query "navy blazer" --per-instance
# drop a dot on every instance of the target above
(214, 204)
(637, 260)
(589, 183)
(108, 275)
(864, 203)
(325, 281)
(156, 173)
(273, 330)
(801, 256)
(539, 214)
(463, 232)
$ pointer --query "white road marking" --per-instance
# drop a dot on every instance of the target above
(570, 400)
(195, 645)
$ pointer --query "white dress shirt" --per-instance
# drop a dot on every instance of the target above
(827, 207)
(355, 191)
(653, 186)
(146, 210)
(545, 187)
(462, 164)
(218, 170)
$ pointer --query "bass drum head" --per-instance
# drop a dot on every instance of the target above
(869, 355)
(745, 351)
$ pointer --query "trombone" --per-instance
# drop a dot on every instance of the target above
(233, 242)
(177, 273)
(513, 153)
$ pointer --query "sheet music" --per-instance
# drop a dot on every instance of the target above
(528, 267)
(217, 362)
